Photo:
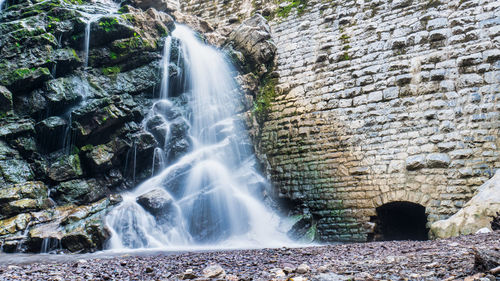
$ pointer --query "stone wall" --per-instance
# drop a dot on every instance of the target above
(381, 101)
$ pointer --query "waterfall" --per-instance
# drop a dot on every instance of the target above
(210, 196)
(2, 2)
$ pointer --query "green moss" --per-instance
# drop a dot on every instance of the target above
(113, 55)
(285, 11)
(108, 24)
(112, 70)
(265, 97)
(74, 2)
(87, 147)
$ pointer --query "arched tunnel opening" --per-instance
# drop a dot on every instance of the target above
(400, 221)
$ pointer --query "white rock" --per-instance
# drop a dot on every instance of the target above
(475, 215)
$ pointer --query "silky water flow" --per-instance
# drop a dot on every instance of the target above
(212, 196)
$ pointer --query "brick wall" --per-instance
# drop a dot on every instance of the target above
(381, 101)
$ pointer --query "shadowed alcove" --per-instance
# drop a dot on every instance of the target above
(400, 221)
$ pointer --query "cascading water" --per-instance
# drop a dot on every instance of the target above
(2, 3)
(210, 195)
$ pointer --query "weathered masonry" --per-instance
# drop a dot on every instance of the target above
(380, 102)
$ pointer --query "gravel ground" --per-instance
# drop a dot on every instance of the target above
(447, 259)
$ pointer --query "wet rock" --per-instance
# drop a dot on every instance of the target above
(76, 228)
(214, 271)
(24, 80)
(15, 171)
(179, 143)
(167, 109)
(101, 156)
(94, 122)
(476, 214)
(66, 61)
(176, 180)
(23, 205)
(253, 39)
(50, 133)
(32, 190)
(66, 167)
(14, 224)
(5, 100)
(109, 28)
(160, 5)
(304, 229)
(159, 203)
(79, 191)
(159, 127)
(11, 128)
(139, 80)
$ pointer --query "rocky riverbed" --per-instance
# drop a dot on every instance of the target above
(446, 259)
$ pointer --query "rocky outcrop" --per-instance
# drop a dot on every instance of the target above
(160, 5)
(159, 203)
(476, 214)
(253, 39)
(70, 126)
(74, 228)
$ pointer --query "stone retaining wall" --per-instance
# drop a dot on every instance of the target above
(381, 101)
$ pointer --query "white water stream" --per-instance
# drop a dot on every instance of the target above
(216, 204)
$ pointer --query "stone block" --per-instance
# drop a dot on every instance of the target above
(415, 162)
(437, 160)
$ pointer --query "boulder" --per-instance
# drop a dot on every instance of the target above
(79, 192)
(160, 5)
(94, 122)
(178, 143)
(11, 128)
(74, 228)
(23, 80)
(303, 228)
(66, 167)
(101, 156)
(15, 171)
(51, 133)
(476, 214)
(159, 203)
(213, 271)
(23, 197)
(5, 100)
(32, 190)
(253, 39)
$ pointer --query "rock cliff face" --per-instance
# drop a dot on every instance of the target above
(77, 78)
(377, 102)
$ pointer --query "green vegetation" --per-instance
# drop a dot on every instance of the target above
(344, 38)
(108, 23)
(265, 97)
(113, 55)
(112, 70)
(74, 2)
(284, 12)
(87, 147)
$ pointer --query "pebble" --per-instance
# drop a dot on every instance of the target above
(302, 269)
(213, 271)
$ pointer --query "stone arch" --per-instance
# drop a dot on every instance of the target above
(400, 215)
(402, 195)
